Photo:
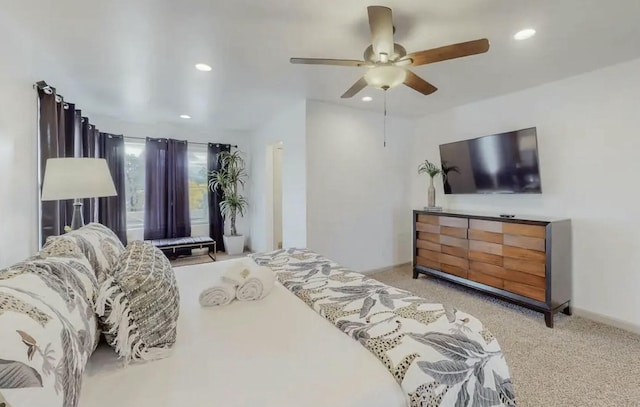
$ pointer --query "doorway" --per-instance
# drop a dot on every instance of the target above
(277, 196)
(273, 215)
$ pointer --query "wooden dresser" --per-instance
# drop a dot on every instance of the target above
(525, 260)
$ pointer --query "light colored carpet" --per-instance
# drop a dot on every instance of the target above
(577, 363)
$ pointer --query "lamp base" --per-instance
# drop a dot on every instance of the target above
(78, 220)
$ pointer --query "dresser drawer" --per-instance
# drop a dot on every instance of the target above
(454, 241)
(421, 261)
(428, 258)
(454, 261)
(537, 269)
(524, 230)
(429, 254)
(524, 254)
(460, 233)
(485, 225)
(486, 257)
(456, 271)
(425, 244)
(461, 223)
(432, 237)
(429, 219)
(427, 227)
(524, 242)
(485, 247)
(524, 278)
(454, 251)
(525, 290)
(486, 268)
(483, 236)
(485, 279)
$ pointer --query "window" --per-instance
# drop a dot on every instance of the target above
(198, 188)
(134, 183)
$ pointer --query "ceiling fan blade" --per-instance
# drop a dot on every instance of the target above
(449, 52)
(381, 24)
(325, 61)
(417, 83)
(357, 87)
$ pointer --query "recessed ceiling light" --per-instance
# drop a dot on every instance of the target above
(203, 67)
(524, 34)
(185, 116)
(367, 99)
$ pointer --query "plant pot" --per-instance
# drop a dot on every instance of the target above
(234, 244)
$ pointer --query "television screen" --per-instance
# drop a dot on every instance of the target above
(500, 163)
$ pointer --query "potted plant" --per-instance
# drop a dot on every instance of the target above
(229, 179)
(433, 171)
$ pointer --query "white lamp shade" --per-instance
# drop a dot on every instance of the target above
(385, 76)
(71, 178)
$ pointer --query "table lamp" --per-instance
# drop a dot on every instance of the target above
(77, 178)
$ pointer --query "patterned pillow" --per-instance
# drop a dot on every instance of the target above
(139, 305)
(48, 327)
(98, 243)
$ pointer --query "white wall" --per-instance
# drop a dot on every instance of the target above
(287, 127)
(589, 147)
(18, 166)
(181, 132)
(358, 212)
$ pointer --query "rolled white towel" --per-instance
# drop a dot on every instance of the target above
(220, 294)
(258, 284)
(238, 271)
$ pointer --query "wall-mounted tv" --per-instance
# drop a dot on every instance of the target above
(505, 163)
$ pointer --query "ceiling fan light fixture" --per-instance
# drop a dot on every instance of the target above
(367, 99)
(524, 34)
(385, 77)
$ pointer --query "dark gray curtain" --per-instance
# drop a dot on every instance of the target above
(63, 132)
(50, 222)
(112, 210)
(166, 205)
(90, 149)
(216, 221)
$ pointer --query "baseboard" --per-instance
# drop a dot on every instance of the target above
(614, 322)
(380, 270)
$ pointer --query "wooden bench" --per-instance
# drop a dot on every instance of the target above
(197, 242)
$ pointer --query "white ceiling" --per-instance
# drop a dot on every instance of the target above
(133, 59)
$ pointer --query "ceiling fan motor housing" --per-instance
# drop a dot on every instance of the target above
(398, 52)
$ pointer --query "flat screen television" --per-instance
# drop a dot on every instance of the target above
(505, 163)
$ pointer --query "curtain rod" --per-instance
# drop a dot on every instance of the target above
(188, 142)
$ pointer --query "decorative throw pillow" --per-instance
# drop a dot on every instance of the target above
(98, 243)
(138, 305)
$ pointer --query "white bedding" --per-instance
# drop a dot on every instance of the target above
(275, 352)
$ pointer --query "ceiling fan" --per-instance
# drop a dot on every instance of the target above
(388, 61)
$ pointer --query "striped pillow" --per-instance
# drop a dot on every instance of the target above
(138, 305)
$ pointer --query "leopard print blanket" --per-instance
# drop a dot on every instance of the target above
(437, 354)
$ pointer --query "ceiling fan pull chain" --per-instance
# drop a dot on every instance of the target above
(384, 132)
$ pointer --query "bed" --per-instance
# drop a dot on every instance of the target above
(296, 347)
(275, 352)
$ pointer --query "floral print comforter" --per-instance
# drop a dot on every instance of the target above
(438, 355)
(47, 327)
